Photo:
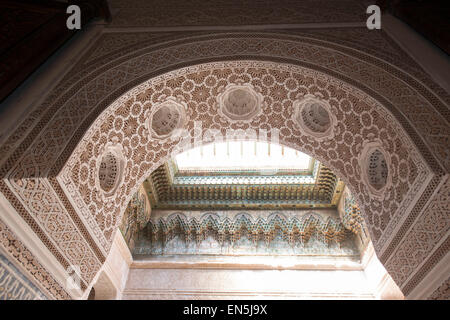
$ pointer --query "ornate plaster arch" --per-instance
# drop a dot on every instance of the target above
(49, 181)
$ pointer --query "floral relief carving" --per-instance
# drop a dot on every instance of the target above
(442, 292)
(350, 107)
(313, 116)
(28, 261)
(44, 142)
(422, 238)
(110, 168)
(374, 163)
(166, 118)
(239, 102)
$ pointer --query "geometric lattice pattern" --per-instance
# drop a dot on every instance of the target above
(34, 154)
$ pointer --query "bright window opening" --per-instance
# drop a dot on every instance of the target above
(242, 155)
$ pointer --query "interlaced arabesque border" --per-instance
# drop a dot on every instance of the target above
(47, 164)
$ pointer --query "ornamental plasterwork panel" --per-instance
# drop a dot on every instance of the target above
(246, 232)
(241, 191)
(110, 165)
(421, 240)
(198, 98)
(14, 285)
(64, 237)
(166, 118)
(135, 217)
(374, 164)
(44, 143)
(395, 145)
(277, 96)
(313, 116)
(107, 59)
(15, 249)
(441, 293)
(239, 102)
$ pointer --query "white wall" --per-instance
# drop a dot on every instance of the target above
(250, 278)
(245, 284)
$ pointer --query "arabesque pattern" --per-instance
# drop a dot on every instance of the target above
(361, 119)
(293, 229)
(47, 176)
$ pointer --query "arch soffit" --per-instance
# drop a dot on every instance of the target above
(123, 88)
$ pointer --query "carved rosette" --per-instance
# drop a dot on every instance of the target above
(353, 112)
(239, 102)
(167, 118)
(110, 168)
(375, 162)
(314, 117)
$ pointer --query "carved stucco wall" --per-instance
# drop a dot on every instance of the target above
(49, 182)
(441, 293)
(351, 217)
(135, 217)
(17, 252)
(236, 232)
(14, 285)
